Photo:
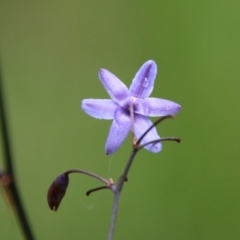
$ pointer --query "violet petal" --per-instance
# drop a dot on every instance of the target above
(143, 82)
(120, 127)
(116, 89)
(155, 107)
(99, 108)
(142, 123)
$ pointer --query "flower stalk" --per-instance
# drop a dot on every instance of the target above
(136, 147)
(129, 109)
(58, 188)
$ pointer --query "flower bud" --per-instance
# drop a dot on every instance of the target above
(57, 191)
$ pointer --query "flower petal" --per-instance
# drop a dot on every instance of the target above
(121, 125)
(141, 125)
(116, 89)
(142, 84)
(99, 108)
(155, 107)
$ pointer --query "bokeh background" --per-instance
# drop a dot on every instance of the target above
(51, 52)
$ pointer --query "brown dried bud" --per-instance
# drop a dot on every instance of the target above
(57, 191)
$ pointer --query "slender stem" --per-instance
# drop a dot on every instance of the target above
(113, 215)
(161, 140)
(122, 179)
(154, 124)
(96, 189)
(117, 193)
(22, 217)
(107, 182)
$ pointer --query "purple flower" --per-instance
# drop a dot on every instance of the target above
(117, 108)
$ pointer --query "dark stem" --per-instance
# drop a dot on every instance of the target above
(107, 182)
(161, 140)
(154, 124)
(22, 217)
(96, 189)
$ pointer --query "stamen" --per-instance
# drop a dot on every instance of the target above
(132, 118)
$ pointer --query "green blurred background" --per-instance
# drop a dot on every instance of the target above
(51, 52)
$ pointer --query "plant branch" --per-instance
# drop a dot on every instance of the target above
(160, 140)
(96, 189)
(122, 179)
(105, 181)
(154, 124)
(117, 193)
(22, 217)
